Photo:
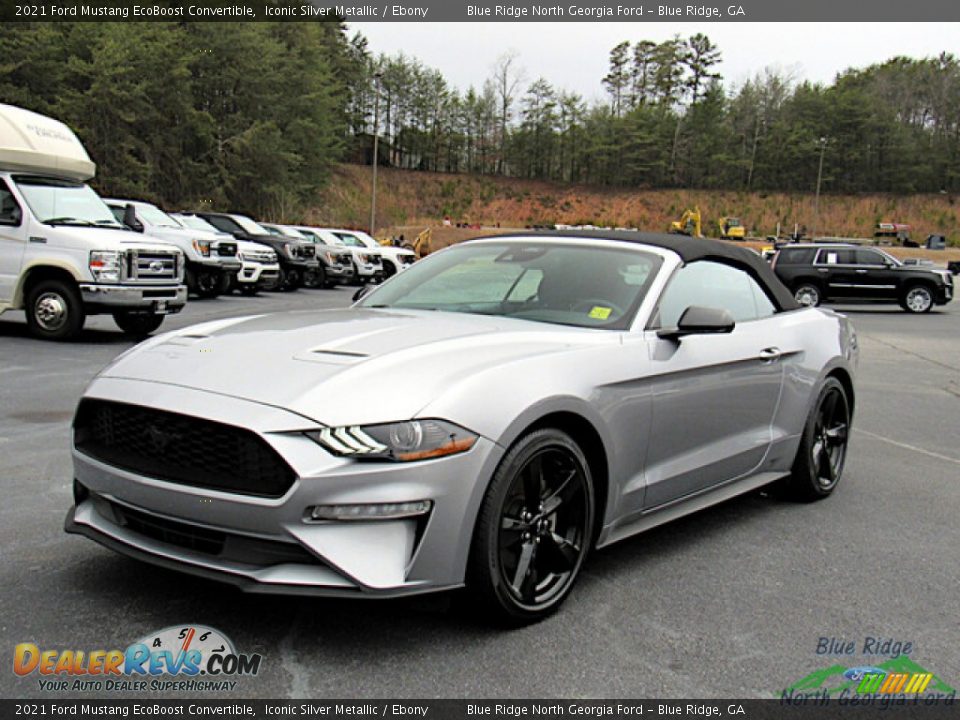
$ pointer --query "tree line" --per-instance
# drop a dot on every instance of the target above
(253, 116)
(248, 116)
(669, 120)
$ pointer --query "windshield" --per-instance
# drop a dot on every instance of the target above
(248, 225)
(576, 285)
(61, 202)
(196, 223)
(152, 215)
(308, 235)
(348, 239)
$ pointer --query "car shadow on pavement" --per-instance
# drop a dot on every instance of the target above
(93, 336)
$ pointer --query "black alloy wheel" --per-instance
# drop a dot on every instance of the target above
(535, 528)
(823, 447)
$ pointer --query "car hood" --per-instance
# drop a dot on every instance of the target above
(342, 367)
(102, 238)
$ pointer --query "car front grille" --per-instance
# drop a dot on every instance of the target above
(344, 259)
(180, 449)
(151, 266)
(307, 251)
(264, 258)
(227, 249)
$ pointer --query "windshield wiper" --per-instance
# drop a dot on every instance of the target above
(67, 221)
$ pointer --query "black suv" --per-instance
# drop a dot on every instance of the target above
(297, 259)
(816, 273)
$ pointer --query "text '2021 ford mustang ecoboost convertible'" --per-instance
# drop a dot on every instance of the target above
(484, 418)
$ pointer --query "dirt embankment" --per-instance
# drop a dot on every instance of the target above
(409, 201)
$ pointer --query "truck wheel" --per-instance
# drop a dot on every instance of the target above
(917, 299)
(207, 284)
(289, 280)
(137, 324)
(249, 289)
(54, 310)
(389, 270)
(315, 278)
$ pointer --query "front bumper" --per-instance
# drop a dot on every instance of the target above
(340, 272)
(267, 545)
(108, 298)
(944, 294)
(253, 273)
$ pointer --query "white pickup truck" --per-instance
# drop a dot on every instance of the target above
(63, 255)
(211, 261)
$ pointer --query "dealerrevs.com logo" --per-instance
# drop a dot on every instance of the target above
(177, 658)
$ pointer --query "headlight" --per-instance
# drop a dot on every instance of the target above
(288, 249)
(329, 257)
(398, 442)
(105, 265)
(202, 247)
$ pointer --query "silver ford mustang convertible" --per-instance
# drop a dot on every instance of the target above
(485, 418)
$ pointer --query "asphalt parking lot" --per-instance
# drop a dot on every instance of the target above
(731, 602)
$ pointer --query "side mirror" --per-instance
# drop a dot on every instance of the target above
(130, 218)
(697, 320)
(363, 292)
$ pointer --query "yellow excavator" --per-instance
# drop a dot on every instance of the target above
(422, 245)
(731, 228)
(688, 224)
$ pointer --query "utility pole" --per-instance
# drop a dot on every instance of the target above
(376, 136)
(816, 201)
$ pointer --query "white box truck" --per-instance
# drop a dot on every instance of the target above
(63, 255)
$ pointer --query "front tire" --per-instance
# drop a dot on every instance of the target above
(917, 299)
(137, 324)
(823, 447)
(54, 310)
(204, 284)
(534, 529)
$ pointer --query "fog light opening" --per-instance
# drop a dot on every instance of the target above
(371, 511)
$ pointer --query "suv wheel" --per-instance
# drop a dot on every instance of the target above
(807, 294)
(54, 310)
(917, 299)
(534, 529)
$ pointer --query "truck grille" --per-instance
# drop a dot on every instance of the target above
(345, 258)
(151, 266)
(180, 449)
(307, 251)
(256, 256)
(227, 249)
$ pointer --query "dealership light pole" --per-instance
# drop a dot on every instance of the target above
(816, 201)
(376, 135)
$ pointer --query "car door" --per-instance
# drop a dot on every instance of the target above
(838, 267)
(713, 396)
(12, 243)
(874, 275)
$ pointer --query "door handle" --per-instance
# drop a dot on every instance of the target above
(861, 272)
(823, 270)
(770, 354)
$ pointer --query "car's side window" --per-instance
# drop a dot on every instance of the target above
(836, 257)
(712, 284)
(869, 257)
(10, 213)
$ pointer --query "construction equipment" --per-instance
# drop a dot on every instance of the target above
(887, 233)
(688, 224)
(421, 245)
(731, 228)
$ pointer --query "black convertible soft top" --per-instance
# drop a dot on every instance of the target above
(690, 249)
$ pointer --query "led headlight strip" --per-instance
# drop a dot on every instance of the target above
(399, 442)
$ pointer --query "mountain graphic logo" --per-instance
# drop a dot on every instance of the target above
(897, 675)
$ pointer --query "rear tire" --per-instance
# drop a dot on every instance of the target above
(917, 299)
(54, 310)
(534, 529)
(137, 324)
(807, 294)
(818, 466)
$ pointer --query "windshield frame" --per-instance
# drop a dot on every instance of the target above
(659, 260)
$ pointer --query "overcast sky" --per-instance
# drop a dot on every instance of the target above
(574, 56)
